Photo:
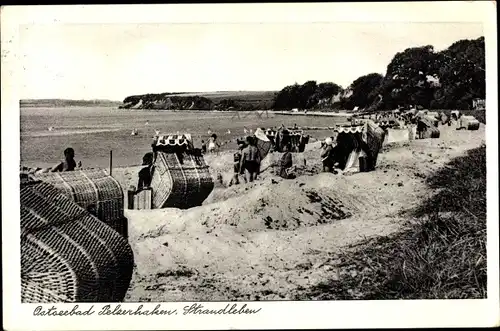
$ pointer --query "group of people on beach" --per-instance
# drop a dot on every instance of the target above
(213, 145)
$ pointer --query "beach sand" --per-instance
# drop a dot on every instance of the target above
(267, 239)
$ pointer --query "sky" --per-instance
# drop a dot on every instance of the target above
(113, 61)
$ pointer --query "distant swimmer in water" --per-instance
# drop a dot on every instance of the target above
(147, 122)
(134, 132)
(51, 128)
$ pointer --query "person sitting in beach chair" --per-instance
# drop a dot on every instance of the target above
(146, 173)
(69, 163)
(286, 164)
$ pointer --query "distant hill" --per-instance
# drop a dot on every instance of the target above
(67, 103)
(219, 100)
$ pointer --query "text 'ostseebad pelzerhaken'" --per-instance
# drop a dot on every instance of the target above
(140, 310)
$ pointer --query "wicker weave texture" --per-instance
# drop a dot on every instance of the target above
(68, 255)
(430, 121)
(180, 181)
(93, 190)
(431, 130)
(469, 123)
(473, 125)
(375, 137)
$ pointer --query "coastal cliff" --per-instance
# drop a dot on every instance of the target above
(224, 101)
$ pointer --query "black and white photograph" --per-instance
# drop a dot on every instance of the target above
(225, 164)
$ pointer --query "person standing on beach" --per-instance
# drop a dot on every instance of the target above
(420, 129)
(327, 155)
(68, 164)
(286, 163)
(250, 159)
(237, 164)
(213, 145)
(203, 146)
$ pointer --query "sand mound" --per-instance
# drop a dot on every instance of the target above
(260, 206)
(168, 239)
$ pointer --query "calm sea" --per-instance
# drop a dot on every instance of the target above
(93, 132)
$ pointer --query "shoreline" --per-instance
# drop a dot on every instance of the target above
(312, 113)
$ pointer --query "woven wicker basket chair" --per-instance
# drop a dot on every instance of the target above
(68, 255)
(375, 137)
(431, 131)
(95, 191)
(181, 177)
(468, 123)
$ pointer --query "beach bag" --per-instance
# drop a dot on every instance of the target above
(68, 255)
(95, 191)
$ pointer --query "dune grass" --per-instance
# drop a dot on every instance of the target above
(441, 253)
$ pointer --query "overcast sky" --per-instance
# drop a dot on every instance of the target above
(112, 61)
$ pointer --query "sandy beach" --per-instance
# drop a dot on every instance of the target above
(269, 239)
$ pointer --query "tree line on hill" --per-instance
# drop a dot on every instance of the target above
(418, 76)
(449, 79)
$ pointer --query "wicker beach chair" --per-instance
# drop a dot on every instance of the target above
(68, 255)
(180, 180)
(181, 177)
(375, 137)
(95, 191)
(431, 131)
(468, 123)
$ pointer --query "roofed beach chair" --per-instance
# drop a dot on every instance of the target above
(95, 191)
(430, 131)
(181, 177)
(468, 123)
(68, 255)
